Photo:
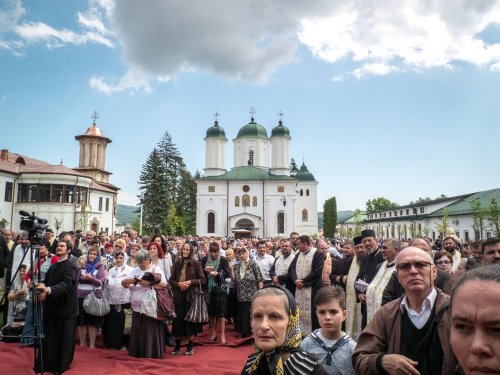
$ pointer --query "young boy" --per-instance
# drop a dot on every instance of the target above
(329, 344)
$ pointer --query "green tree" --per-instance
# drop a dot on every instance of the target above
(173, 162)
(379, 204)
(330, 217)
(57, 224)
(156, 199)
(494, 217)
(175, 225)
(186, 201)
(443, 226)
(293, 167)
(479, 214)
(421, 200)
(3, 223)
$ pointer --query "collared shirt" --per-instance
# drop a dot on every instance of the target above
(265, 263)
(419, 319)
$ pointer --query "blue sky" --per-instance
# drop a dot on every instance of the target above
(380, 100)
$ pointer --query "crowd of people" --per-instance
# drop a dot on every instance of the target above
(342, 306)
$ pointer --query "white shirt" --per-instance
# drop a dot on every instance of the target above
(115, 292)
(419, 319)
(265, 263)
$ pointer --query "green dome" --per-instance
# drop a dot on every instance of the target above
(280, 131)
(216, 131)
(303, 174)
(252, 129)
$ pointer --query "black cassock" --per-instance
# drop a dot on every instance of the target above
(60, 312)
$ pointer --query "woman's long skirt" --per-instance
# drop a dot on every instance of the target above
(112, 329)
(147, 337)
(181, 328)
(243, 325)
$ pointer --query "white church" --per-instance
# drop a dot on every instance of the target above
(260, 196)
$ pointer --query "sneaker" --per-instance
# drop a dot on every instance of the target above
(177, 350)
(190, 349)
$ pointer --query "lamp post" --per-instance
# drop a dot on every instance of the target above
(140, 219)
(283, 199)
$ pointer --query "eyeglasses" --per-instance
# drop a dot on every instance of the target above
(443, 262)
(419, 265)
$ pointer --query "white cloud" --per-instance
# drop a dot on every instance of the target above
(133, 80)
(126, 198)
(16, 33)
(377, 69)
(387, 36)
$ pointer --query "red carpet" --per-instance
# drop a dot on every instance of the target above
(208, 358)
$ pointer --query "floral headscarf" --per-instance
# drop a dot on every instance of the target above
(293, 338)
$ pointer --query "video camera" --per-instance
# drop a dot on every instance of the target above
(34, 225)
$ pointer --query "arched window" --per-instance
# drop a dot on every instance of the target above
(245, 201)
(254, 201)
(250, 157)
(236, 201)
(307, 192)
(305, 215)
(211, 222)
(281, 222)
(301, 192)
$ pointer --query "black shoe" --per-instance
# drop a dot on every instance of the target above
(177, 348)
(190, 348)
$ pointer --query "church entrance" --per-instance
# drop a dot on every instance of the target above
(244, 228)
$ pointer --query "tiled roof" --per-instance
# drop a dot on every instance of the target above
(247, 173)
(463, 206)
(95, 186)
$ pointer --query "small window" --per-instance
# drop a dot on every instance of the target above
(8, 192)
(100, 203)
(211, 189)
(305, 215)
(245, 201)
(107, 204)
(390, 214)
(400, 212)
(407, 211)
(301, 192)
(281, 189)
(236, 201)
(246, 188)
(254, 201)
(211, 222)
(422, 210)
(250, 157)
(466, 235)
(307, 192)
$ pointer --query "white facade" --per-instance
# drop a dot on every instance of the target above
(255, 198)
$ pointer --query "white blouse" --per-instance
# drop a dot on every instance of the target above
(115, 293)
(138, 291)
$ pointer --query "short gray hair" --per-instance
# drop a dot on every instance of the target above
(408, 249)
(142, 255)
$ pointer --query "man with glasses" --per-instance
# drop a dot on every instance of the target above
(411, 335)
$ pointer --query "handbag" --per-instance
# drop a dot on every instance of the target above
(198, 312)
(128, 321)
(165, 303)
(149, 304)
(95, 306)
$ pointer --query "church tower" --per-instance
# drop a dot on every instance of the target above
(93, 145)
(251, 145)
(280, 146)
(215, 144)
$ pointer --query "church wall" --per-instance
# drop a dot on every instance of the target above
(274, 201)
(261, 148)
(308, 203)
(5, 207)
(99, 217)
(215, 153)
(211, 202)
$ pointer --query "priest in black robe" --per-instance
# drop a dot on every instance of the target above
(60, 310)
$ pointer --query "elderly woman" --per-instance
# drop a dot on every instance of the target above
(90, 279)
(444, 261)
(119, 299)
(248, 279)
(147, 334)
(275, 326)
(216, 270)
(187, 277)
(474, 306)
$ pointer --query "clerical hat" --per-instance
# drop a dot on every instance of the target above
(357, 240)
(368, 233)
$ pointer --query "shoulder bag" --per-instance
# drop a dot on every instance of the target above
(198, 312)
(95, 306)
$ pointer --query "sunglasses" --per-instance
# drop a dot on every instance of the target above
(419, 265)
